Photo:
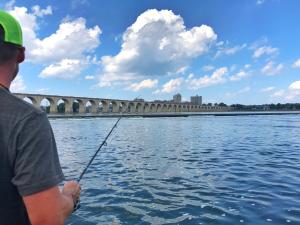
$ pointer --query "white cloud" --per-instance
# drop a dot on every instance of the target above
(230, 51)
(220, 43)
(61, 44)
(89, 77)
(182, 70)
(156, 44)
(297, 64)
(157, 91)
(260, 2)
(208, 68)
(237, 93)
(172, 85)
(265, 50)
(143, 84)
(190, 76)
(247, 66)
(288, 95)
(43, 90)
(64, 42)
(9, 5)
(271, 69)
(37, 11)
(292, 93)
(240, 75)
(79, 3)
(65, 69)
(279, 93)
(295, 85)
(217, 77)
(267, 89)
(108, 80)
(18, 85)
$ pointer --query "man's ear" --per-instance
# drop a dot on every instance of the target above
(21, 55)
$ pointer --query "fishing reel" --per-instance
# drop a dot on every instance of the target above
(76, 205)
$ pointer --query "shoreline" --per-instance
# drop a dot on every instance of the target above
(150, 115)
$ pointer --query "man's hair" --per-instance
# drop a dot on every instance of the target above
(7, 51)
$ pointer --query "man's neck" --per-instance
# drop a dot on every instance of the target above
(2, 86)
(5, 77)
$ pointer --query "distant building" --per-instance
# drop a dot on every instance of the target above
(138, 100)
(177, 98)
(196, 100)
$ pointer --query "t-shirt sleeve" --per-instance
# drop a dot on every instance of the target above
(36, 165)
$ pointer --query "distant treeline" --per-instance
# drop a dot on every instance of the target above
(266, 107)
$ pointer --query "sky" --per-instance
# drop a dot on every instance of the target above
(238, 51)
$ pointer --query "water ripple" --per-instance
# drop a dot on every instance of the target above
(194, 170)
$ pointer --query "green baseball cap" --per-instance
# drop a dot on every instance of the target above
(12, 29)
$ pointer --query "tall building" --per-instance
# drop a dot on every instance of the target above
(177, 98)
(196, 100)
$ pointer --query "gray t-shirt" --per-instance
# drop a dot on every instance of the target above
(28, 154)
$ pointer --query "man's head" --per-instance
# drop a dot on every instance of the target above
(11, 46)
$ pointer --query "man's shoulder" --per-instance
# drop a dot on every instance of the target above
(17, 107)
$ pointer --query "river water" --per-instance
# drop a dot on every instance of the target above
(192, 170)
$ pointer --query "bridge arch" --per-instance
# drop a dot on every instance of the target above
(94, 105)
(139, 107)
(78, 105)
(131, 107)
(164, 108)
(31, 100)
(146, 108)
(174, 108)
(63, 106)
(158, 108)
(90, 106)
(114, 106)
(103, 106)
(48, 105)
(180, 108)
(152, 108)
(123, 107)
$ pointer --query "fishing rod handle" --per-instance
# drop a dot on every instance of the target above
(76, 205)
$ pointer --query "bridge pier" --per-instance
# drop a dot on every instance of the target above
(105, 105)
(94, 106)
(53, 108)
(68, 106)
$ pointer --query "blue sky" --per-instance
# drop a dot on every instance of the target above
(227, 51)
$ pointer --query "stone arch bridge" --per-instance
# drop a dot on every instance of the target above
(101, 105)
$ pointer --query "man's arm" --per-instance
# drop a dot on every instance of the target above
(52, 206)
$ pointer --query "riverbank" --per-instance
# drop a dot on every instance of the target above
(183, 114)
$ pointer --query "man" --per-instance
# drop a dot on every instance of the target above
(29, 166)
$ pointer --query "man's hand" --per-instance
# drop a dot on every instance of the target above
(52, 206)
(72, 190)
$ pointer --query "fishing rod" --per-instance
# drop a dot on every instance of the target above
(94, 156)
(77, 203)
